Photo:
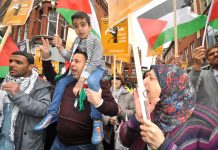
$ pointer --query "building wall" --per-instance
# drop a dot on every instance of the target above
(196, 38)
(37, 22)
(101, 9)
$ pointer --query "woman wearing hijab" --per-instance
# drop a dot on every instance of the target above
(176, 122)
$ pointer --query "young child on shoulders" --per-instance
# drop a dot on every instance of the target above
(92, 73)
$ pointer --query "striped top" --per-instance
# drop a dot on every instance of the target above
(200, 131)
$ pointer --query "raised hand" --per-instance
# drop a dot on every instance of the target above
(57, 41)
(45, 49)
(198, 55)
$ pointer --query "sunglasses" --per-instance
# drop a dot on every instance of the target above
(117, 78)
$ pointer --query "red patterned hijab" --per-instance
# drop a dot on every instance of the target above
(177, 100)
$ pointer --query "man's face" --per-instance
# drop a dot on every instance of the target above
(19, 66)
(77, 65)
(212, 57)
(81, 27)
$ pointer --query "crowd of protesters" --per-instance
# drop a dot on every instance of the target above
(63, 113)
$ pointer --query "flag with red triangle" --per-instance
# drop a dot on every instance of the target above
(213, 16)
(8, 48)
(69, 7)
(157, 21)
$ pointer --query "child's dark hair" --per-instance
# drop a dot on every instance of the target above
(81, 15)
(28, 56)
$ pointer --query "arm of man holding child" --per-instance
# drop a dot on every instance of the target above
(103, 100)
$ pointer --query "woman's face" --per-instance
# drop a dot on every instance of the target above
(117, 83)
(153, 89)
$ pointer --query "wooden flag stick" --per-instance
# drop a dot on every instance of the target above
(141, 87)
(57, 24)
(175, 29)
(121, 63)
(115, 76)
(4, 38)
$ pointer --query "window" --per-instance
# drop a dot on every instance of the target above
(186, 54)
(109, 59)
(52, 23)
(216, 37)
(26, 29)
(63, 28)
(192, 46)
(19, 34)
(199, 41)
(204, 5)
(211, 36)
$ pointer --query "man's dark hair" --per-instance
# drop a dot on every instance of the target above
(28, 56)
(210, 48)
(81, 15)
(79, 51)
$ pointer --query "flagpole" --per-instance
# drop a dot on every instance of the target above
(152, 60)
(4, 38)
(141, 87)
(175, 29)
(205, 29)
(121, 63)
(57, 24)
(115, 76)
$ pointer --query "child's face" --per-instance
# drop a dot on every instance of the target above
(81, 27)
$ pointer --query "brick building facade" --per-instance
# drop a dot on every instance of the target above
(187, 44)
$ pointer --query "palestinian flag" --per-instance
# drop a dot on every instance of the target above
(8, 48)
(157, 21)
(68, 7)
(213, 16)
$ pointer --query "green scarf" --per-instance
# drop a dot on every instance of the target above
(82, 98)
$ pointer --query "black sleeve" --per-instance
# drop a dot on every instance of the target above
(109, 106)
(48, 71)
